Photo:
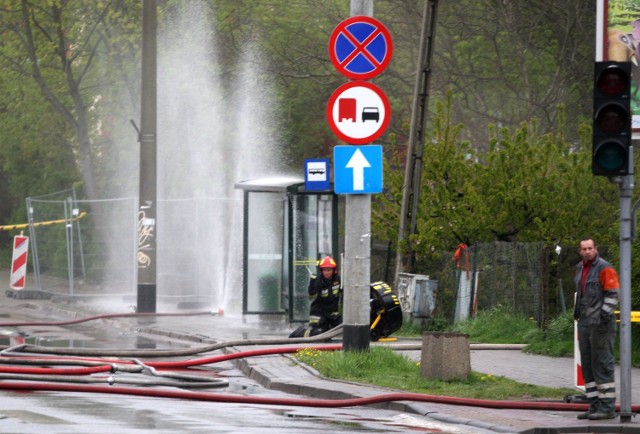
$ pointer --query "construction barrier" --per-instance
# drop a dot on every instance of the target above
(19, 262)
(21, 247)
(50, 222)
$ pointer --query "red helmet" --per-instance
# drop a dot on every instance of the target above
(327, 262)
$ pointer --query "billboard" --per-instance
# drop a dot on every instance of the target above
(618, 39)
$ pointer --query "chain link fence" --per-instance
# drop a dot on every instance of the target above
(83, 247)
(530, 279)
(88, 249)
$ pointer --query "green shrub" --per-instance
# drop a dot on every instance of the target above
(499, 326)
(415, 328)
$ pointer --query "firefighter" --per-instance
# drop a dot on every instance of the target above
(596, 300)
(324, 292)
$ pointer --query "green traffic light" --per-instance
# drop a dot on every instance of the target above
(610, 156)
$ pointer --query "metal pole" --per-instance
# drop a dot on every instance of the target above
(34, 245)
(75, 212)
(147, 229)
(68, 227)
(357, 310)
(626, 194)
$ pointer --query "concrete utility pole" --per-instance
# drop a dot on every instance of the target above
(357, 258)
(147, 230)
(415, 149)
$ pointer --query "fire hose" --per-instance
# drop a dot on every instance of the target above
(57, 379)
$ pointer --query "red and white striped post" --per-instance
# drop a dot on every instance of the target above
(577, 369)
(19, 261)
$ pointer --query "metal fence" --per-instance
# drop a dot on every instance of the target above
(519, 276)
(507, 274)
(88, 248)
(82, 247)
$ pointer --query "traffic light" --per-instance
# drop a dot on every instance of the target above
(611, 118)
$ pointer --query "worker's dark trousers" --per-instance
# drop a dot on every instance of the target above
(598, 364)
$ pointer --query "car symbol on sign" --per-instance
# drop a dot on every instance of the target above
(370, 113)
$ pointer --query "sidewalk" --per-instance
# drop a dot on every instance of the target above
(281, 372)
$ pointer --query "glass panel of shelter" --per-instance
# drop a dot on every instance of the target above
(265, 246)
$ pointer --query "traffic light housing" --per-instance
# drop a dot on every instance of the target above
(611, 118)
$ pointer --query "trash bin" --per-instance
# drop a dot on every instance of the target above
(445, 356)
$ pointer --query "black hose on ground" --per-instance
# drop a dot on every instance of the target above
(107, 316)
(17, 355)
(90, 352)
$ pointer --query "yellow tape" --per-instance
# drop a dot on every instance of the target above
(313, 262)
(635, 316)
(51, 222)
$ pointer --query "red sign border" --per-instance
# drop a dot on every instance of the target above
(342, 27)
(385, 121)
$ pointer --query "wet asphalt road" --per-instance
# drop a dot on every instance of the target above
(89, 413)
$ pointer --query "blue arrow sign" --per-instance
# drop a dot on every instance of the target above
(358, 169)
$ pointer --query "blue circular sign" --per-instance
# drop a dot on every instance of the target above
(360, 47)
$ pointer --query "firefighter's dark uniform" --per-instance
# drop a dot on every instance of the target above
(596, 300)
(324, 313)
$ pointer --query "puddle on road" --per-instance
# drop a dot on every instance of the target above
(60, 342)
(32, 417)
(86, 338)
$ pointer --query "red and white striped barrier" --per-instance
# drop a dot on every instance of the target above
(577, 373)
(19, 262)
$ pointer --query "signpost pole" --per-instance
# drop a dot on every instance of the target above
(357, 264)
(357, 272)
(626, 194)
(626, 216)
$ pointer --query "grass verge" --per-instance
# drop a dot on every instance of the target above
(384, 367)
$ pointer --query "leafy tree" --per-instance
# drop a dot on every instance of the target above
(527, 187)
(510, 62)
(54, 44)
(34, 154)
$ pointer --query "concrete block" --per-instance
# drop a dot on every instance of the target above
(445, 356)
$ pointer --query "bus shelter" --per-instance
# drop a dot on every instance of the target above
(286, 230)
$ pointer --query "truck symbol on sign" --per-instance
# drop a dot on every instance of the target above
(347, 109)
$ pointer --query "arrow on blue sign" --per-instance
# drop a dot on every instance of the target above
(358, 169)
(357, 163)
